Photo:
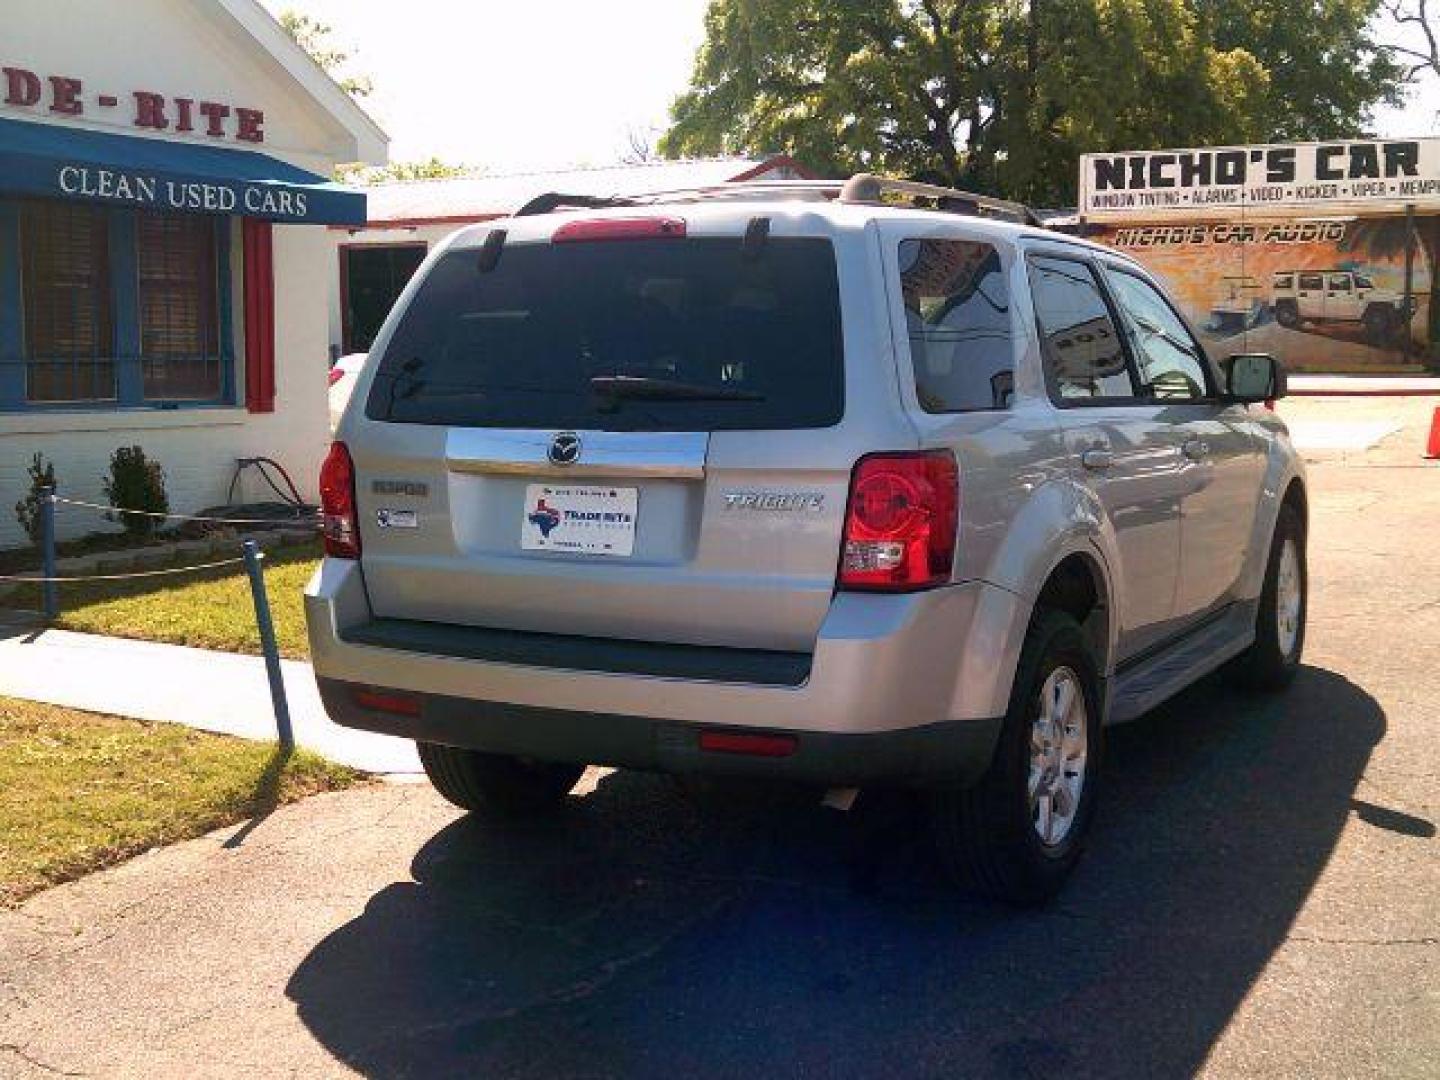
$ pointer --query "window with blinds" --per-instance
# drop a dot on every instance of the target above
(179, 321)
(69, 328)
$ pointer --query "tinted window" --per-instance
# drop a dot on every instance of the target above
(555, 336)
(957, 315)
(1083, 352)
(1310, 281)
(1170, 362)
(1339, 282)
(1284, 281)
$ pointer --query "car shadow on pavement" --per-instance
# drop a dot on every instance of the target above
(663, 929)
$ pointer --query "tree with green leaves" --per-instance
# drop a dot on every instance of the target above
(1002, 96)
(401, 171)
(315, 38)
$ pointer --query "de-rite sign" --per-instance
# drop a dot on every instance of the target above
(1344, 177)
(87, 148)
(67, 96)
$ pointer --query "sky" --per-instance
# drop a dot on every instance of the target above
(515, 84)
(512, 86)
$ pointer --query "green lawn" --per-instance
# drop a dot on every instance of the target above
(209, 610)
(79, 791)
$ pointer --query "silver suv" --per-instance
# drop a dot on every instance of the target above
(854, 484)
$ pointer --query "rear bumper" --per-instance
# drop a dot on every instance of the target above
(951, 750)
(898, 687)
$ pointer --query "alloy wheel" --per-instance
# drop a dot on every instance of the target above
(1058, 747)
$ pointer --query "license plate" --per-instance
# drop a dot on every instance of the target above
(586, 520)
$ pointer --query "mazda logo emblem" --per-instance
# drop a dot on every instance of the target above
(564, 449)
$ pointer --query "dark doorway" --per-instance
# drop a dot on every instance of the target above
(371, 277)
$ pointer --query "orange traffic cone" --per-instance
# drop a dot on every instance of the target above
(1432, 445)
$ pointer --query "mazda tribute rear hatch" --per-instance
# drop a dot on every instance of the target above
(609, 433)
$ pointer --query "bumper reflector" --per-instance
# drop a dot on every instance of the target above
(389, 701)
(735, 742)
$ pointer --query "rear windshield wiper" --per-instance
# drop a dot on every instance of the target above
(646, 389)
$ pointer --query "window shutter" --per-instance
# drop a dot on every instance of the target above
(179, 320)
(69, 328)
(259, 316)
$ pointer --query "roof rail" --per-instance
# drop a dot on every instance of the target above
(554, 200)
(862, 188)
(868, 188)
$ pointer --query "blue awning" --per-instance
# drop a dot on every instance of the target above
(122, 170)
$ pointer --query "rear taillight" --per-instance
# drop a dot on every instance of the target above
(337, 504)
(648, 228)
(901, 522)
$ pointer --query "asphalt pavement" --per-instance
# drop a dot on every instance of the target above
(1261, 898)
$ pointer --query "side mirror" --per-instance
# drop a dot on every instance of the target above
(1253, 377)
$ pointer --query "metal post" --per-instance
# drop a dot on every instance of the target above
(267, 645)
(50, 602)
(1407, 339)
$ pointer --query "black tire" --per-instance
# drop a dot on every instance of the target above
(985, 835)
(1266, 665)
(1379, 325)
(495, 785)
(1287, 315)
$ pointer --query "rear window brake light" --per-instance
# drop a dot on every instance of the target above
(647, 228)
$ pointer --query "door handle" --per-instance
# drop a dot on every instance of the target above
(1097, 458)
(1195, 449)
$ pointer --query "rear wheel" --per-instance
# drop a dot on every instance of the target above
(1287, 315)
(1271, 662)
(494, 784)
(1379, 325)
(1017, 833)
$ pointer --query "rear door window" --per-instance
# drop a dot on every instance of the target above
(957, 318)
(1084, 356)
(629, 335)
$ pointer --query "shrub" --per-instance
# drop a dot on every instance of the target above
(27, 510)
(136, 483)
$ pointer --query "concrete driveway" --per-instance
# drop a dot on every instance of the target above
(1262, 898)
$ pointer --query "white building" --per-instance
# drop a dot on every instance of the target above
(165, 272)
(406, 219)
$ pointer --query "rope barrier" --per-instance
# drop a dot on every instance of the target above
(38, 580)
(308, 519)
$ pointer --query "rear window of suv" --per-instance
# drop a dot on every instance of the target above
(627, 335)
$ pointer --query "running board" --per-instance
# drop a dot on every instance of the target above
(1139, 688)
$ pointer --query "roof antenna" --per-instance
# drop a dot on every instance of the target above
(755, 235)
(490, 250)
